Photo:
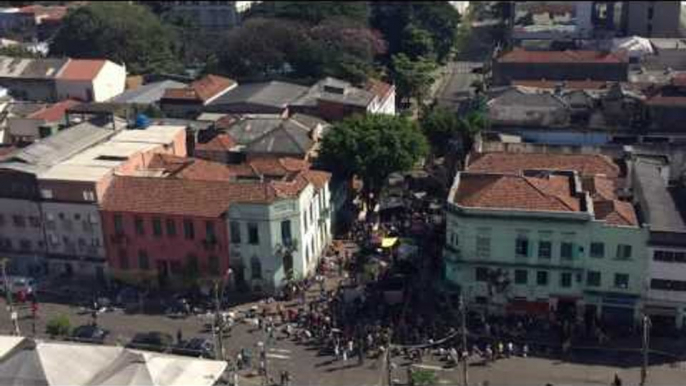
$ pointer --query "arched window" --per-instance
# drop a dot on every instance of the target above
(256, 268)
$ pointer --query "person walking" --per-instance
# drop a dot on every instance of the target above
(179, 336)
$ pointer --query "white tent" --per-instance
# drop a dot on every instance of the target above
(35, 363)
(141, 368)
(52, 363)
(635, 46)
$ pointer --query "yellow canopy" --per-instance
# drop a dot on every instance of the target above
(388, 242)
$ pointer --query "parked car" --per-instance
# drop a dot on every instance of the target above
(89, 333)
(18, 284)
(196, 347)
(152, 341)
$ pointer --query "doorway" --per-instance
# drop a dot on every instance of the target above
(162, 273)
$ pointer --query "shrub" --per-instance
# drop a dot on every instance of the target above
(58, 326)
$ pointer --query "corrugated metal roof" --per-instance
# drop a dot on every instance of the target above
(273, 94)
(64, 144)
(148, 93)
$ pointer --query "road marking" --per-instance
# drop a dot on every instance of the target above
(430, 367)
(278, 356)
(280, 350)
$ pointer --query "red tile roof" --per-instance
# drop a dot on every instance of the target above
(600, 187)
(82, 69)
(200, 90)
(222, 142)
(584, 164)
(54, 112)
(192, 168)
(569, 84)
(615, 212)
(501, 191)
(378, 88)
(519, 55)
(182, 197)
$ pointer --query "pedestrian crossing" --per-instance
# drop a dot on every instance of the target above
(278, 353)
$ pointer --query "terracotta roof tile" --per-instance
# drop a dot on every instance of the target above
(600, 187)
(222, 142)
(584, 164)
(615, 212)
(519, 55)
(202, 89)
(182, 197)
(500, 191)
(82, 69)
(54, 112)
(378, 88)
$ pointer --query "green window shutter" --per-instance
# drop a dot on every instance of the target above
(532, 249)
(575, 251)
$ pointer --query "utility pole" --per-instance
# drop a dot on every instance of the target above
(218, 326)
(646, 341)
(463, 312)
(8, 295)
(389, 369)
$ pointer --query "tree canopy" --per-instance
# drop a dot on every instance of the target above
(313, 12)
(372, 147)
(438, 18)
(440, 126)
(121, 32)
(413, 78)
(261, 48)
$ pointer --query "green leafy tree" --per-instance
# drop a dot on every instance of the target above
(440, 19)
(372, 147)
(418, 42)
(121, 32)
(313, 12)
(413, 78)
(58, 326)
(263, 48)
(440, 126)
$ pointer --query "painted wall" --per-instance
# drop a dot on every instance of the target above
(462, 256)
(310, 241)
(24, 243)
(166, 249)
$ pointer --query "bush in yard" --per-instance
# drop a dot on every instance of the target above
(58, 326)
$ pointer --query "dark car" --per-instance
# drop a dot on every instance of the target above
(196, 347)
(89, 334)
(152, 341)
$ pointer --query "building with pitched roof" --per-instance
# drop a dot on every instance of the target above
(539, 232)
(185, 219)
(334, 99)
(90, 80)
(28, 122)
(189, 101)
(520, 64)
(256, 136)
(60, 180)
(272, 97)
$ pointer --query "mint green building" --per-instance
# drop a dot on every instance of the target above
(538, 240)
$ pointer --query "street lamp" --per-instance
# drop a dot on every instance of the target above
(8, 293)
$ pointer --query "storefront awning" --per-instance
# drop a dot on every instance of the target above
(389, 242)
